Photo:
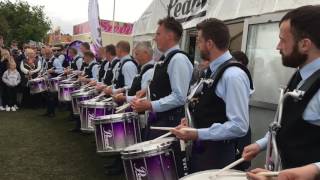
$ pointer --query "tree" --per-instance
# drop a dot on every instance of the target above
(22, 22)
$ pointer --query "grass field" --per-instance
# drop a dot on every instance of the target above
(37, 148)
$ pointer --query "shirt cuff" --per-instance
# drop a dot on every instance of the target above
(155, 105)
(129, 98)
(203, 134)
(262, 143)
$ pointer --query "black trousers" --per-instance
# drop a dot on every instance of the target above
(52, 101)
(212, 155)
(10, 94)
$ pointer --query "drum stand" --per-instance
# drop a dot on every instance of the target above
(273, 159)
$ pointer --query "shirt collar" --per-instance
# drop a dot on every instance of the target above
(220, 60)
(114, 59)
(307, 70)
(92, 62)
(171, 49)
(150, 62)
(125, 57)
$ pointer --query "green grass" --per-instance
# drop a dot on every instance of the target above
(37, 148)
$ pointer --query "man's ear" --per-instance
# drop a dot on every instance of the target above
(305, 45)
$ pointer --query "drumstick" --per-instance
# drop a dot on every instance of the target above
(122, 108)
(163, 136)
(266, 174)
(170, 128)
(106, 100)
(230, 166)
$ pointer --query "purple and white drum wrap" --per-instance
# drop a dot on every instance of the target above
(90, 110)
(150, 160)
(65, 90)
(116, 132)
(79, 96)
(53, 84)
(37, 85)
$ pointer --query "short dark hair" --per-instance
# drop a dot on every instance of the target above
(111, 49)
(89, 54)
(172, 25)
(86, 45)
(73, 50)
(240, 57)
(124, 45)
(215, 30)
(305, 23)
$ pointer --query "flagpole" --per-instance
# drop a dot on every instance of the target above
(114, 10)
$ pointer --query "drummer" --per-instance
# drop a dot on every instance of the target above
(221, 112)
(125, 72)
(170, 82)
(107, 68)
(298, 136)
(54, 68)
(143, 54)
(91, 72)
(30, 67)
(76, 60)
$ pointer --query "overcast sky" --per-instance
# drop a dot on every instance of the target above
(66, 13)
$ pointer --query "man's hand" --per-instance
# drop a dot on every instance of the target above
(50, 71)
(141, 105)
(141, 93)
(119, 97)
(308, 172)
(251, 151)
(92, 83)
(100, 87)
(107, 90)
(185, 133)
(253, 175)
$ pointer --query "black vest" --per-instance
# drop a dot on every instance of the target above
(160, 85)
(88, 70)
(101, 70)
(136, 84)
(210, 108)
(50, 65)
(74, 63)
(119, 81)
(109, 73)
(299, 141)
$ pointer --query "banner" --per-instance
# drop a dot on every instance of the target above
(106, 26)
(94, 24)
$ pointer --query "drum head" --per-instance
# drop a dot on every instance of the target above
(37, 79)
(68, 85)
(211, 175)
(149, 146)
(94, 104)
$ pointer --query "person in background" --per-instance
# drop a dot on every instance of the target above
(4, 57)
(241, 57)
(11, 79)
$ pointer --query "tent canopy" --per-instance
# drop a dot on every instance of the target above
(191, 12)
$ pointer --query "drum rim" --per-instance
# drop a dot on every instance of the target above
(97, 104)
(158, 148)
(145, 154)
(207, 171)
(115, 116)
(67, 85)
(98, 121)
(81, 94)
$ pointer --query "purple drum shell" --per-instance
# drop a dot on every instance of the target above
(154, 167)
(76, 101)
(114, 136)
(65, 93)
(89, 113)
(37, 86)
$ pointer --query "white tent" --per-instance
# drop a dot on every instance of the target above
(191, 12)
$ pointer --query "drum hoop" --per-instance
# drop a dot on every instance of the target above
(98, 121)
(109, 105)
(158, 148)
(145, 154)
(68, 85)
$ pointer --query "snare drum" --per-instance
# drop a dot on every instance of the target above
(79, 96)
(89, 110)
(65, 90)
(210, 175)
(53, 83)
(148, 160)
(116, 132)
(37, 85)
